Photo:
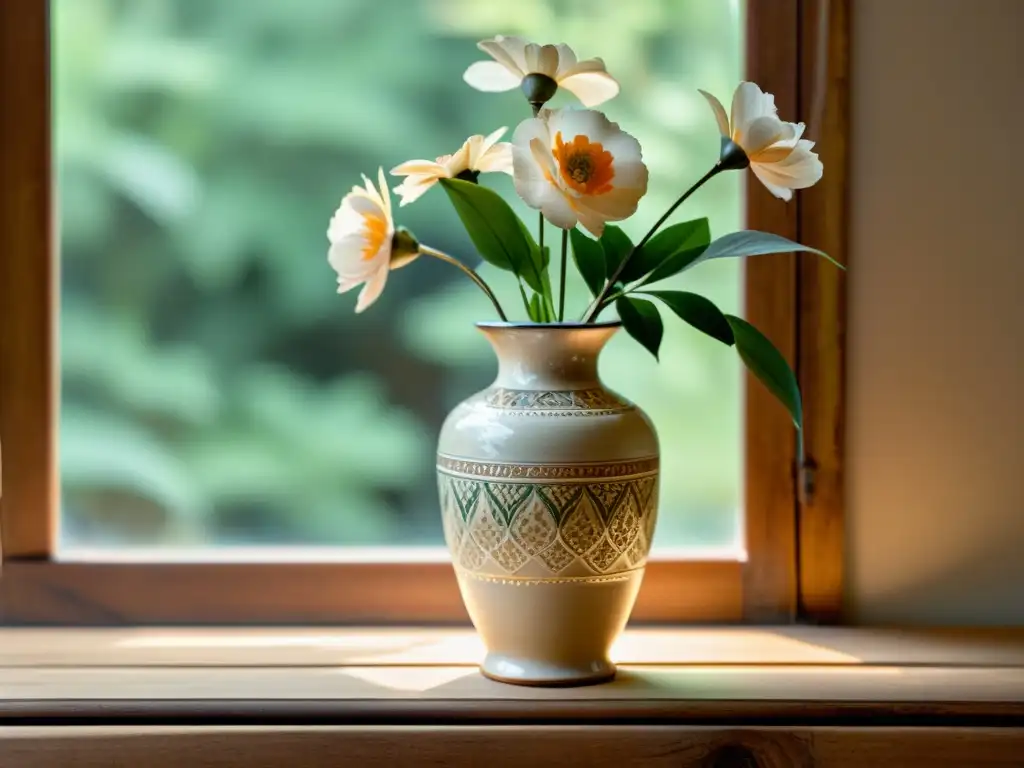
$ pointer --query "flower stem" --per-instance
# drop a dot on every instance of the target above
(522, 292)
(428, 251)
(561, 290)
(596, 305)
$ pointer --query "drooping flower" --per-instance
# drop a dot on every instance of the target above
(778, 156)
(479, 154)
(364, 243)
(516, 59)
(576, 166)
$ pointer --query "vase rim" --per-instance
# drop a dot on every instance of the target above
(570, 325)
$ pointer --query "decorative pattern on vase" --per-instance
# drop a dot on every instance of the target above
(569, 402)
(575, 529)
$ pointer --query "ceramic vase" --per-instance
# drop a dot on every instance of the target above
(549, 488)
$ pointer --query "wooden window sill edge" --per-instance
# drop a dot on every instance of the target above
(411, 676)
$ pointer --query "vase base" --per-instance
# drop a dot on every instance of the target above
(516, 671)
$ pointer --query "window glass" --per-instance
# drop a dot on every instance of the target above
(215, 390)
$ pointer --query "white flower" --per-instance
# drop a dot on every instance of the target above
(480, 154)
(515, 58)
(362, 234)
(778, 156)
(577, 166)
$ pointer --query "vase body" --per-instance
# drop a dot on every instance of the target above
(549, 487)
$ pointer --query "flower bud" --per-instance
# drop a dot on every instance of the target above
(404, 248)
(538, 89)
(732, 157)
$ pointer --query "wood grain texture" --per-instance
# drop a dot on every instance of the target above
(26, 284)
(823, 213)
(664, 692)
(788, 647)
(770, 580)
(807, 676)
(617, 747)
(311, 593)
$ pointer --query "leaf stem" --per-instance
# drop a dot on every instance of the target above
(428, 251)
(597, 304)
(522, 292)
(561, 290)
(540, 232)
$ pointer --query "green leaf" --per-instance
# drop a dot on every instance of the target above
(536, 268)
(496, 231)
(768, 364)
(699, 312)
(536, 309)
(669, 251)
(641, 320)
(589, 257)
(753, 243)
(616, 245)
(547, 295)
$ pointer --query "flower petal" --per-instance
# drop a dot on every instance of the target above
(507, 51)
(781, 192)
(534, 186)
(566, 60)
(542, 59)
(460, 161)
(595, 64)
(556, 209)
(618, 204)
(498, 159)
(720, 117)
(414, 187)
(385, 196)
(591, 221)
(625, 149)
(417, 167)
(761, 134)
(373, 289)
(749, 102)
(345, 258)
(800, 170)
(533, 128)
(491, 139)
(514, 49)
(582, 122)
(591, 88)
(491, 77)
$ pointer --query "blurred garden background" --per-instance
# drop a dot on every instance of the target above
(216, 391)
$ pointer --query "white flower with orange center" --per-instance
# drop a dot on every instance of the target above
(576, 166)
(778, 156)
(363, 243)
(479, 154)
(516, 59)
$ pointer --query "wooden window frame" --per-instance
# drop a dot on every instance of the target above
(793, 515)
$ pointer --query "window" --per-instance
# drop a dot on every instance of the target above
(209, 377)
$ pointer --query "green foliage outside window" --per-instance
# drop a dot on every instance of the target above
(215, 389)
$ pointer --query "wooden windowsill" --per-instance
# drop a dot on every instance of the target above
(427, 676)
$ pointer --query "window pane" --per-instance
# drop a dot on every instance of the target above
(216, 391)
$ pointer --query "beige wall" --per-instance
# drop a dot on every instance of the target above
(936, 347)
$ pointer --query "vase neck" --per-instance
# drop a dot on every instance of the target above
(548, 357)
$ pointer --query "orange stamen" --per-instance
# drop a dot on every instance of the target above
(585, 166)
(375, 230)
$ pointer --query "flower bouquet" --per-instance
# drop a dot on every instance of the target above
(549, 519)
